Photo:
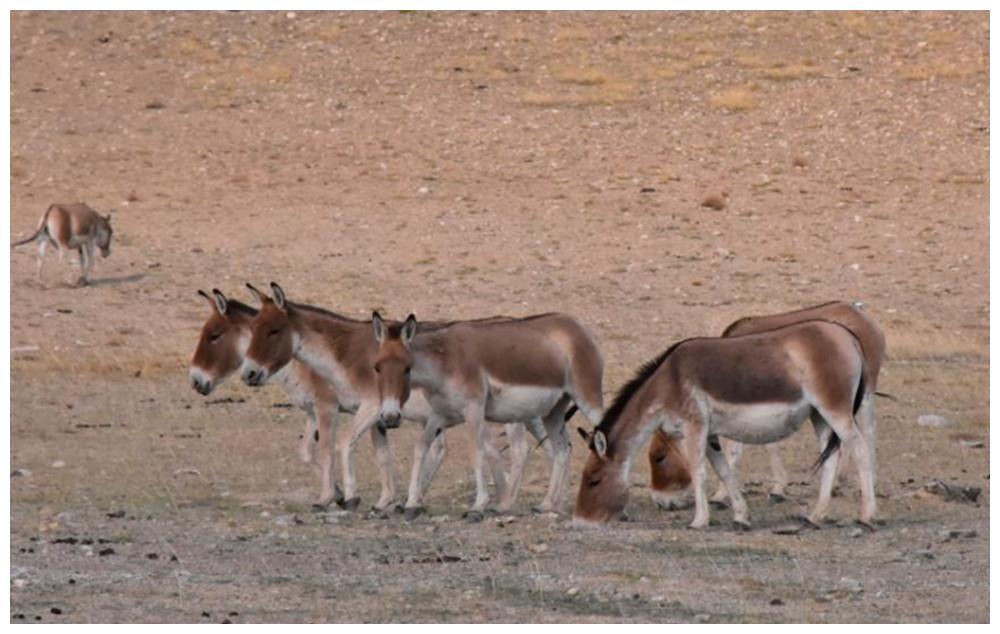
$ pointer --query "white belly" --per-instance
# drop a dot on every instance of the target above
(757, 423)
(513, 403)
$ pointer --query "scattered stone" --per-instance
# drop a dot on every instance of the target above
(539, 548)
(152, 556)
(206, 615)
(58, 464)
(573, 591)
(20, 583)
(965, 494)
(788, 529)
(850, 585)
(55, 611)
(777, 601)
(933, 420)
(856, 532)
(703, 618)
(717, 203)
(20, 473)
(104, 552)
(120, 513)
(949, 535)
(972, 444)
(923, 554)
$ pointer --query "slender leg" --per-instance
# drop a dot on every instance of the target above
(42, 244)
(307, 448)
(495, 461)
(476, 426)
(435, 455)
(323, 455)
(727, 474)
(778, 471)
(733, 452)
(555, 430)
(517, 435)
(347, 440)
(864, 460)
(695, 446)
(419, 476)
(827, 471)
(386, 468)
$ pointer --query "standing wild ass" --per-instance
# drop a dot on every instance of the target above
(223, 342)
(73, 226)
(753, 389)
(530, 370)
(342, 351)
(670, 474)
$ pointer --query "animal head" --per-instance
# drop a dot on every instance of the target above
(392, 367)
(222, 343)
(272, 338)
(603, 491)
(104, 234)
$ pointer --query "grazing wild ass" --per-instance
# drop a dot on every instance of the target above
(68, 227)
(223, 342)
(343, 352)
(529, 370)
(753, 389)
(670, 474)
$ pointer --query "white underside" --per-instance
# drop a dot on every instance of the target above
(757, 423)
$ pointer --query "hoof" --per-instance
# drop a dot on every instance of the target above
(740, 526)
(413, 512)
(351, 504)
(867, 526)
(697, 527)
(719, 504)
(338, 496)
(472, 517)
(808, 523)
(376, 513)
(491, 513)
(623, 517)
(776, 498)
(397, 508)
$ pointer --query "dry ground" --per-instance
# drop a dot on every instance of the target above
(460, 165)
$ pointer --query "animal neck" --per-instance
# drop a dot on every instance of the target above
(428, 351)
(328, 344)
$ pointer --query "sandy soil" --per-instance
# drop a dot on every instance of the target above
(461, 165)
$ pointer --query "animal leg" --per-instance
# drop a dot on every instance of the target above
(517, 435)
(42, 244)
(778, 471)
(386, 467)
(555, 430)
(307, 448)
(420, 472)
(864, 460)
(477, 433)
(733, 451)
(435, 454)
(347, 440)
(695, 446)
(828, 470)
(328, 491)
(727, 474)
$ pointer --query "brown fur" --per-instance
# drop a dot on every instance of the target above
(72, 226)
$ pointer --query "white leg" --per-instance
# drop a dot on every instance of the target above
(731, 483)
(347, 440)
(732, 452)
(695, 444)
(495, 461)
(386, 468)
(476, 427)
(778, 471)
(324, 454)
(41, 256)
(827, 471)
(555, 431)
(307, 448)
(419, 478)
(517, 436)
(432, 461)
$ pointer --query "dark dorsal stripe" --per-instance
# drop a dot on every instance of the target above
(628, 390)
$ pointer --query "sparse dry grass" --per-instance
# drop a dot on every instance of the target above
(583, 76)
(791, 72)
(939, 70)
(735, 99)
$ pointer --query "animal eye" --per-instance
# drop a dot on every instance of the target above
(377, 369)
(214, 336)
(593, 482)
(274, 332)
(407, 369)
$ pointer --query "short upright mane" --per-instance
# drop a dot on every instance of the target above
(240, 307)
(628, 390)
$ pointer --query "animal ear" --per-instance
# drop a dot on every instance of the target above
(378, 326)
(279, 296)
(221, 303)
(257, 295)
(600, 443)
(409, 329)
(208, 298)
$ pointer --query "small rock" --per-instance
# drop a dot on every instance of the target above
(573, 591)
(933, 420)
(948, 535)
(539, 548)
(850, 585)
(703, 618)
(20, 583)
(856, 533)
(106, 551)
(777, 601)
(789, 529)
(58, 464)
(972, 444)
(923, 554)
(55, 611)
(20, 473)
(424, 190)
(966, 494)
(714, 202)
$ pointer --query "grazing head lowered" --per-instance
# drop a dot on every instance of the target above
(393, 363)
(102, 231)
(222, 342)
(603, 491)
(272, 339)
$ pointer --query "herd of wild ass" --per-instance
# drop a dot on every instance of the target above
(700, 399)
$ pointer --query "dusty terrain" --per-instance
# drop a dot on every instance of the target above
(461, 165)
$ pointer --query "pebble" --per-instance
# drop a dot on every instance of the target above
(20, 583)
(573, 591)
(933, 420)
(20, 473)
(58, 464)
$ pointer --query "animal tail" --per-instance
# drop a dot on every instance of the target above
(860, 394)
(834, 443)
(886, 395)
(41, 228)
(830, 449)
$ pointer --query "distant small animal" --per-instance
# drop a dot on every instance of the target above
(72, 226)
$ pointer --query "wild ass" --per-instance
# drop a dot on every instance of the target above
(670, 475)
(342, 351)
(223, 342)
(72, 226)
(753, 389)
(529, 370)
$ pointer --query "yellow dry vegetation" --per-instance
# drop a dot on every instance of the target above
(734, 99)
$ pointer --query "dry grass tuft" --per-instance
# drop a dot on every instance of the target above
(789, 73)
(735, 99)
(938, 70)
(582, 76)
(606, 94)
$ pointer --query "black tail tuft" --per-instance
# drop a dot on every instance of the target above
(831, 448)
(569, 413)
(860, 394)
